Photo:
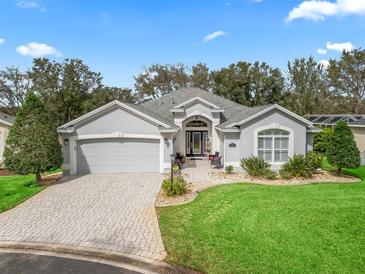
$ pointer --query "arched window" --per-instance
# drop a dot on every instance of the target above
(196, 123)
(273, 145)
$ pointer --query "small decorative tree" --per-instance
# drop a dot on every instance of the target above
(32, 145)
(343, 151)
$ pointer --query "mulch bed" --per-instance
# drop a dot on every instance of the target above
(5, 172)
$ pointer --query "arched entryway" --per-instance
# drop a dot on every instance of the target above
(197, 136)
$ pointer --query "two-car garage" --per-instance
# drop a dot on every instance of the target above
(118, 155)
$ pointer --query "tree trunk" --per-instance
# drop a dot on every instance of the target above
(38, 177)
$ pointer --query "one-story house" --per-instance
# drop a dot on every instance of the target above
(355, 121)
(122, 137)
(6, 121)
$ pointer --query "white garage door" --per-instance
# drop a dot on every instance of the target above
(118, 155)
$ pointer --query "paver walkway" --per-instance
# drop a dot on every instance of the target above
(107, 211)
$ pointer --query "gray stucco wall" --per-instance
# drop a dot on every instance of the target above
(310, 136)
(272, 117)
(233, 151)
(117, 120)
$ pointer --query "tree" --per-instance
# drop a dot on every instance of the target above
(347, 77)
(200, 77)
(64, 87)
(307, 86)
(343, 151)
(249, 84)
(108, 94)
(322, 140)
(13, 86)
(32, 145)
(158, 80)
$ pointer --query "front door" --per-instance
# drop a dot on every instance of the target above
(195, 143)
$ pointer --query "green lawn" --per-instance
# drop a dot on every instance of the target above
(16, 189)
(245, 228)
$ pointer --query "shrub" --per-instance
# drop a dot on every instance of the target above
(297, 166)
(177, 187)
(175, 168)
(33, 145)
(314, 159)
(322, 140)
(270, 175)
(343, 151)
(255, 166)
(229, 169)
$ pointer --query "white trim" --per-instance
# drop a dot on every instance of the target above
(216, 110)
(168, 130)
(73, 155)
(314, 130)
(6, 122)
(113, 103)
(274, 126)
(356, 125)
(196, 99)
(162, 148)
(117, 135)
(228, 129)
(177, 110)
(269, 109)
(66, 130)
(224, 151)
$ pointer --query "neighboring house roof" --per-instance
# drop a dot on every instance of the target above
(358, 123)
(332, 119)
(6, 119)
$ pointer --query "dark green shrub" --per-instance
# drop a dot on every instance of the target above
(322, 140)
(314, 159)
(297, 166)
(177, 187)
(229, 169)
(255, 167)
(343, 151)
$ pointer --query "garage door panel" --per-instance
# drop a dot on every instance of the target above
(118, 155)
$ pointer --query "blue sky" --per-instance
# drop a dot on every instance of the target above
(117, 38)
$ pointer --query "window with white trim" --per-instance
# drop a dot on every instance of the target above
(273, 145)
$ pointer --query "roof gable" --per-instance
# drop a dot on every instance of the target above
(129, 107)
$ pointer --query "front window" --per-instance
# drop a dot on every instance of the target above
(273, 145)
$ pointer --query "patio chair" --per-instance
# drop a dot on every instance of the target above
(213, 156)
(216, 162)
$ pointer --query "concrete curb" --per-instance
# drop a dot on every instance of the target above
(133, 262)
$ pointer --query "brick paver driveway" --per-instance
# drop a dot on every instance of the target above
(107, 211)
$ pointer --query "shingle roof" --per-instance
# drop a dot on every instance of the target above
(164, 104)
(6, 117)
(360, 122)
(242, 115)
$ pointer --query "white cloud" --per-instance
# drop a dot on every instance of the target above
(321, 51)
(2, 41)
(30, 5)
(213, 35)
(319, 10)
(346, 46)
(37, 50)
(324, 63)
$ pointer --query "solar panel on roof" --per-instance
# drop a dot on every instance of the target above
(321, 119)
